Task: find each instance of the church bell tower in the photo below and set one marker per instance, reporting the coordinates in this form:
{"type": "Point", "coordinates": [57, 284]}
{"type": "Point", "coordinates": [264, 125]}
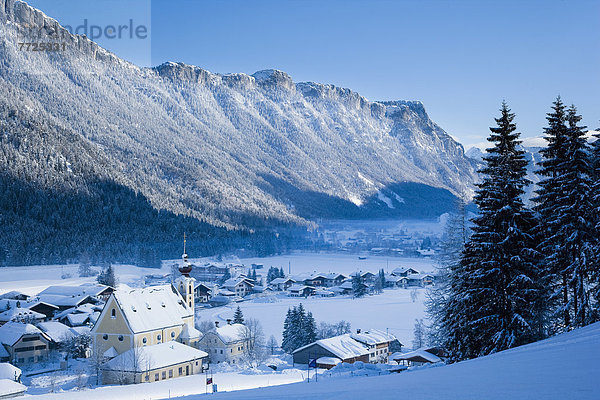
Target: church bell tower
{"type": "Point", "coordinates": [185, 283]}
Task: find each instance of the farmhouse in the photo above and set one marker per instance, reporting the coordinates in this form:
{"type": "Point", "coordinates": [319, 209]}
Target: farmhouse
{"type": "Point", "coordinates": [24, 342]}
{"type": "Point", "coordinates": [377, 342]}
{"type": "Point", "coordinates": [153, 363]}
{"type": "Point", "coordinates": [342, 347]}
{"type": "Point", "coordinates": [281, 283]}
{"type": "Point", "coordinates": [225, 343]}
{"type": "Point", "coordinates": [241, 286]}
{"type": "Point", "coordinates": [403, 271]}
{"type": "Point", "coordinates": [19, 314]}
{"type": "Point", "coordinates": [202, 292]}
{"type": "Point", "coordinates": [415, 358]}
{"type": "Point", "coordinates": [300, 291]}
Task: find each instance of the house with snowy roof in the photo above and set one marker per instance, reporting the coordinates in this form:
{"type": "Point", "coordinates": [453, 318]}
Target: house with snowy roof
{"type": "Point", "coordinates": [300, 291]}
{"type": "Point", "coordinates": [415, 358]}
{"type": "Point", "coordinates": [57, 332]}
{"type": "Point", "coordinates": [341, 347]}
{"type": "Point", "coordinates": [241, 286]}
{"type": "Point", "coordinates": [24, 343]}
{"type": "Point", "coordinates": [225, 343]}
{"type": "Point", "coordinates": [153, 363]}
{"type": "Point", "coordinates": [377, 342]}
{"type": "Point", "coordinates": [404, 271]}
{"type": "Point", "coordinates": [19, 314]}
{"type": "Point", "coordinates": [281, 284]}
{"type": "Point", "coordinates": [370, 346]}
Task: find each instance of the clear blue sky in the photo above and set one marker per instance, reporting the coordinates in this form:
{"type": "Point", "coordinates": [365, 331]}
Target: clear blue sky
{"type": "Point", "coordinates": [461, 58]}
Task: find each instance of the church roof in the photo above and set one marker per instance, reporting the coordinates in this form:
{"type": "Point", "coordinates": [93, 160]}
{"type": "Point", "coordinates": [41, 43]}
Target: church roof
{"type": "Point", "coordinates": [151, 308]}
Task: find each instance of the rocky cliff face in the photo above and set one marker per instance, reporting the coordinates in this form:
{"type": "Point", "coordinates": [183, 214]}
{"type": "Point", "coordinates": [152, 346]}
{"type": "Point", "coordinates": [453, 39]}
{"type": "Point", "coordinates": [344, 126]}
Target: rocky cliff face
{"type": "Point", "coordinates": [235, 150]}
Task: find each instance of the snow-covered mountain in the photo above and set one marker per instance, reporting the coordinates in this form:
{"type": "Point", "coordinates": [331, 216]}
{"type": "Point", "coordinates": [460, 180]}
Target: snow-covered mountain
{"type": "Point", "coordinates": [231, 149]}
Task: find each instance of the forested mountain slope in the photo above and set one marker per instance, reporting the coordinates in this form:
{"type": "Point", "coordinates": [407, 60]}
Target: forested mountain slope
{"type": "Point", "coordinates": [236, 152]}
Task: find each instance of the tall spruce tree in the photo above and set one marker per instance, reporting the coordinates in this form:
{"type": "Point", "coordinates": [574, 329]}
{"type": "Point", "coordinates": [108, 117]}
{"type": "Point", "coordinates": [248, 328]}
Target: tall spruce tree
{"type": "Point", "coordinates": [565, 205]}
{"type": "Point", "coordinates": [493, 289]}
{"type": "Point", "coordinates": [238, 316]}
{"type": "Point", "coordinates": [595, 270]}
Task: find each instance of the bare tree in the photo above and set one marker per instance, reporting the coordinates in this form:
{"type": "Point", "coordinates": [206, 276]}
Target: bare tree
{"type": "Point", "coordinates": [97, 361]}
{"type": "Point", "coordinates": [414, 295]}
{"type": "Point", "coordinates": [205, 326]}
{"type": "Point", "coordinates": [254, 342]}
{"type": "Point", "coordinates": [272, 344]}
{"type": "Point", "coordinates": [420, 333]}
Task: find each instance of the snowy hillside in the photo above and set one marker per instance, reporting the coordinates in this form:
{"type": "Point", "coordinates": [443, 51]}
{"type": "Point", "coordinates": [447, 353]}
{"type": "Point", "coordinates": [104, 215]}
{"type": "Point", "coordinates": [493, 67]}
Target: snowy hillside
{"type": "Point", "coordinates": [232, 150]}
{"type": "Point", "coordinates": [563, 367]}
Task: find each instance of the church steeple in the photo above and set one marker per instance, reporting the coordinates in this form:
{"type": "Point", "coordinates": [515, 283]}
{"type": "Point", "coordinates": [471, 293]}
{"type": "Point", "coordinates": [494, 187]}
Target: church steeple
{"type": "Point", "coordinates": [186, 267]}
{"type": "Point", "coordinates": [185, 283]}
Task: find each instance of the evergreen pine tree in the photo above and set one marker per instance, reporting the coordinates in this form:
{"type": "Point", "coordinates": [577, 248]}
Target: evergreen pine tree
{"type": "Point", "coordinates": [238, 316]}
{"type": "Point", "coordinates": [310, 329]}
{"type": "Point", "coordinates": [564, 203]}
{"type": "Point", "coordinates": [454, 239]}
{"type": "Point", "coordinates": [286, 342]}
{"type": "Point", "coordinates": [281, 274]}
{"type": "Point", "coordinates": [358, 285]}
{"type": "Point", "coordinates": [492, 289]}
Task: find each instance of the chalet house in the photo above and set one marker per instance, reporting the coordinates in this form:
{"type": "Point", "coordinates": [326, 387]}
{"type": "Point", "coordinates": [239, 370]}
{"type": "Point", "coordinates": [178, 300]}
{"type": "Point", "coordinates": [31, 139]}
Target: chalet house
{"type": "Point", "coordinates": [346, 287]}
{"type": "Point", "coordinates": [15, 295]}
{"type": "Point", "coordinates": [281, 284]}
{"type": "Point", "coordinates": [154, 363]}
{"type": "Point", "coordinates": [96, 292]}
{"type": "Point", "coordinates": [24, 342]}
{"type": "Point", "coordinates": [377, 342]}
{"type": "Point", "coordinates": [44, 308]}
{"type": "Point", "coordinates": [57, 332]}
{"type": "Point", "coordinates": [241, 286]}
{"type": "Point", "coordinates": [225, 343]}
{"type": "Point", "coordinates": [202, 292]}
{"type": "Point", "coordinates": [370, 347]}
{"type": "Point", "coordinates": [300, 291]}
{"type": "Point", "coordinates": [403, 271]}
{"type": "Point", "coordinates": [341, 347]}
{"type": "Point", "coordinates": [368, 277]}
{"type": "Point", "coordinates": [333, 279]}
{"type": "Point", "coordinates": [395, 281]}
{"type": "Point", "coordinates": [419, 280]}
{"type": "Point", "coordinates": [209, 272]}
{"type": "Point", "coordinates": [316, 280]}
{"type": "Point", "coordinates": [19, 314]}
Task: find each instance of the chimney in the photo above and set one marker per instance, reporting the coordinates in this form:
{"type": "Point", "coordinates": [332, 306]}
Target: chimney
{"type": "Point", "coordinates": [358, 331]}
{"type": "Point", "coordinates": [228, 321]}
{"type": "Point", "coordinates": [216, 324]}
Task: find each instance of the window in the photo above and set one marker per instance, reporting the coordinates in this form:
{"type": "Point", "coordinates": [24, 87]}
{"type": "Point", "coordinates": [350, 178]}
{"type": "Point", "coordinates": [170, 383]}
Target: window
{"type": "Point", "coordinates": [164, 374]}
{"type": "Point", "coordinates": [144, 340]}
{"type": "Point", "coordinates": [113, 313]}
{"type": "Point", "coordinates": [180, 371]}
{"type": "Point", "coordinates": [170, 373]}
{"type": "Point", "coordinates": [173, 334]}
{"type": "Point", "coordinates": [158, 337]}
{"type": "Point", "coordinates": [40, 347]}
{"type": "Point", "coordinates": [30, 338]}
{"type": "Point", "coordinates": [147, 377]}
{"type": "Point", "coordinates": [231, 350]}
{"type": "Point", "coordinates": [156, 377]}
{"type": "Point", "coordinates": [196, 363]}
{"type": "Point", "coordinates": [221, 351]}
{"type": "Point", "coordinates": [120, 338]}
{"type": "Point", "coordinates": [105, 336]}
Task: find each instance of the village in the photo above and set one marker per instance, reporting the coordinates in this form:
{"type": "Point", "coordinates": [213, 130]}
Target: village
{"type": "Point", "coordinates": [131, 335]}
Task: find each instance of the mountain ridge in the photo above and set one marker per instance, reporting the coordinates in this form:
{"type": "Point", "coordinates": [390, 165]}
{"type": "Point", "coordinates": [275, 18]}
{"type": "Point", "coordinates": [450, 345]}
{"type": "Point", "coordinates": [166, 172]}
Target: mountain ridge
{"type": "Point", "coordinates": [235, 151]}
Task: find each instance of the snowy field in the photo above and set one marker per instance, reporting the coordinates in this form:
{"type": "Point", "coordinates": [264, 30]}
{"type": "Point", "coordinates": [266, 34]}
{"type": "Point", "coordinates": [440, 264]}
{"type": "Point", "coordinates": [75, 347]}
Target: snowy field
{"type": "Point", "coordinates": [393, 310]}
{"type": "Point", "coordinates": [33, 279]}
